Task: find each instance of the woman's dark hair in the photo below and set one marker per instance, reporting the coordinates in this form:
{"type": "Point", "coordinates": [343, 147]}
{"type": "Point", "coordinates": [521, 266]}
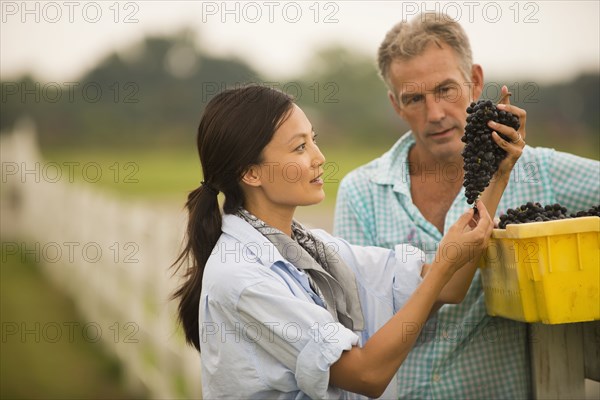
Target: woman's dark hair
{"type": "Point", "coordinates": [236, 126]}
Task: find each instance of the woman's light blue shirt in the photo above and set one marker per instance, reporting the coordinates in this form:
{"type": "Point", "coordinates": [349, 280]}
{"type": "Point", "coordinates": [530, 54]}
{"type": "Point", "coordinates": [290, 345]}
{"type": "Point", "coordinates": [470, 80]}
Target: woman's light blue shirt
{"type": "Point", "coordinates": [261, 333]}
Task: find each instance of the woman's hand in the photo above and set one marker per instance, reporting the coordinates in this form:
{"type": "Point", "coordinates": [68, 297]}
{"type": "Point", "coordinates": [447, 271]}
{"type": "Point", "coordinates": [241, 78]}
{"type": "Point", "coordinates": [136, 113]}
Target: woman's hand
{"type": "Point", "coordinates": [465, 240]}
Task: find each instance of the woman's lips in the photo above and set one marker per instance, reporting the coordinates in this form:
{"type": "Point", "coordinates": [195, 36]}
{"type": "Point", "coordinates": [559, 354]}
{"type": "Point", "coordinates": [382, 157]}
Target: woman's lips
{"type": "Point", "coordinates": [318, 180]}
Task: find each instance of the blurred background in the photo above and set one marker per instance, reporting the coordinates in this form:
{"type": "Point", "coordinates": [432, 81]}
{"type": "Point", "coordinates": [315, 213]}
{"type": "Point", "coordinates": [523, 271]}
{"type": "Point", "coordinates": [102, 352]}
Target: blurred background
{"type": "Point", "coordinates": [99, 107]}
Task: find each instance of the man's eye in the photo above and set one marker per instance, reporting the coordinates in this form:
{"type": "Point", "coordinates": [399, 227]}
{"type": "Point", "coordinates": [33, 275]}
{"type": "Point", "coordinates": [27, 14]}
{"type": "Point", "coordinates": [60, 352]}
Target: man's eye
{"type": "Point", "coordinates": [413, 99]}
{"type": "Point", "coordinates": [448, 92]}
{"type": "Point", "coordinates": [301, 147]}
{"type": "Point", "coordinates": [450, 89]}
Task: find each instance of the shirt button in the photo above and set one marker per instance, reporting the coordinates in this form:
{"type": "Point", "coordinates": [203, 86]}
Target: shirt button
{"type": "Point", "coordinates": [436, 378]}
{"type": "Point", "coordinates": [445, 334]}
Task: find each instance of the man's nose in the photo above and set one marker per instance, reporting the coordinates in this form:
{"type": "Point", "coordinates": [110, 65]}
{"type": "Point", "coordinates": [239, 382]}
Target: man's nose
{"type": "Point", "coordinates": [434, 108]}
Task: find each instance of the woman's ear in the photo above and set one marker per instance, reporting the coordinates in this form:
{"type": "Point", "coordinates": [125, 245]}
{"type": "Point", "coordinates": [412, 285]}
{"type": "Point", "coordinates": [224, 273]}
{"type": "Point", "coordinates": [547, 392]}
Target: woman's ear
{"type": "Point", "coordinates": [252, 176]}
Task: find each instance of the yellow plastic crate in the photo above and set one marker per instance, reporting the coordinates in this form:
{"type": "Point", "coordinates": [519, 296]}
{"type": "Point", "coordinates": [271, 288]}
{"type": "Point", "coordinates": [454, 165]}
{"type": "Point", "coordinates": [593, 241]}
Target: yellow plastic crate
{"type": "Point", "coordinates": [544, 271]}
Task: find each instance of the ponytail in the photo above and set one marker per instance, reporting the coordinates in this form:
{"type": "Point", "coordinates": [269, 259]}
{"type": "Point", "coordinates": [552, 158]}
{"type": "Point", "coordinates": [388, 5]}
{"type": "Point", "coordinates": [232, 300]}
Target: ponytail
{"type": "Point", "coordinates": [235, 127]}
{"type": "Point", "coordinates": [203, 231]}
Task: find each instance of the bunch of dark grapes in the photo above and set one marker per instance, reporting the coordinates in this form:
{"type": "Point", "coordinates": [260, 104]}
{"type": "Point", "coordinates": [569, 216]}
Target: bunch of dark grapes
{"type": "Point", "coordinates": [592, 212]}
{"type": "Point", "coordinates": [535, 212]}
{"type": "Point", "coordinates": [481, 154]}
{"type": "Point", "coordinates": [532, 212]}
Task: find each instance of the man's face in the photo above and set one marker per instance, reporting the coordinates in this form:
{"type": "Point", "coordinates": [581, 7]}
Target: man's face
{"type": "Point", "coordinates": [432, 97]}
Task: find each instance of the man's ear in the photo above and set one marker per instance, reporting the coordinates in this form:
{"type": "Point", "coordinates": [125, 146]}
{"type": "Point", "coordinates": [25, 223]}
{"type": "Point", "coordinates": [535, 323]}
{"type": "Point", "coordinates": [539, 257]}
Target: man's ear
{"type": "Point", "coordinates": [477, 81]}
{"type": "Point", "coordinates": [252, 176]}
{"type": "Point", "coordinates": [394, 101]}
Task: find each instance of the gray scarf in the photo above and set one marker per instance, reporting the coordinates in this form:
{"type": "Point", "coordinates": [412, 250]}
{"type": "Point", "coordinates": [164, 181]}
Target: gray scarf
{"type": "Point", "coordinates": [331, 279]}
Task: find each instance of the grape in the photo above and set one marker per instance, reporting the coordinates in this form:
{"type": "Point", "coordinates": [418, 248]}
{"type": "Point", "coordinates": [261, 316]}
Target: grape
{"type": "Point", "coordinates": [481, 154]}
{"type": "Point", "coordinates": [535, 212]}
{"type": "Point", "coordinates": [592, 212]}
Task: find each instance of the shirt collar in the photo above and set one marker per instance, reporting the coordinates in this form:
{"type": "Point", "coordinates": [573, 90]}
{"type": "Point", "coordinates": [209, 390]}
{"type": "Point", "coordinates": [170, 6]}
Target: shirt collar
{"type": "Point", "coordinates": [392, 168]}
{"type": "Point", "coordinates": [251, 239]}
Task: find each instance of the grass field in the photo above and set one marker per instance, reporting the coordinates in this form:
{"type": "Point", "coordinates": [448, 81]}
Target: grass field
{"type": "Point", "coordinates": [46, 354]}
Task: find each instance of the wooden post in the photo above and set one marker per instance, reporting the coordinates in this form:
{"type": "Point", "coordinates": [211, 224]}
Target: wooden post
{"type": "Point", "coordinates": [557, 361]}
{"type": "Point", "coordinates": [591, 346]}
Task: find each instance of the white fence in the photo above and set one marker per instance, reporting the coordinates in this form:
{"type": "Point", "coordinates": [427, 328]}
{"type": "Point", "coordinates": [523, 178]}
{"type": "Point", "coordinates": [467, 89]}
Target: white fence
{"type": "Point", "coordinates": [111, 257]}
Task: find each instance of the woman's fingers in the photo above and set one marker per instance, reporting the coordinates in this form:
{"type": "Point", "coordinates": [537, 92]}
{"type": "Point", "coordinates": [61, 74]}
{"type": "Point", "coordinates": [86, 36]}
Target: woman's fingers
{"type": "Point", "coordinates": [464, 219]}
{"type": "Point", "coordinates": [484, 220]}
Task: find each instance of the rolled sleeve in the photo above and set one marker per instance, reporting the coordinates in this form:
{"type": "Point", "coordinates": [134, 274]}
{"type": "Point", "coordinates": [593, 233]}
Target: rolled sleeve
{"type": "Point", "coordinates": [315, 359]}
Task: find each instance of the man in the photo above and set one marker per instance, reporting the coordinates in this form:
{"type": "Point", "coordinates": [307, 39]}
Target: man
{"type": "Point", "coordinates": [414, 192]}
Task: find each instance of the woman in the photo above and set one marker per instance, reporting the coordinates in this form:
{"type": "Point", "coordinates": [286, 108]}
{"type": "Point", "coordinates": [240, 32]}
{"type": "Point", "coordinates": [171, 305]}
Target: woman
{"type": "Point", "coordinates": [278, 311]}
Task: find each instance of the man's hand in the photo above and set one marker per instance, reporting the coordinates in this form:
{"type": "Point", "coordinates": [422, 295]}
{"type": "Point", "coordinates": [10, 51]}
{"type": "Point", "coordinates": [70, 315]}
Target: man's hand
{"type": "Point", "coordinates": [515, 146]}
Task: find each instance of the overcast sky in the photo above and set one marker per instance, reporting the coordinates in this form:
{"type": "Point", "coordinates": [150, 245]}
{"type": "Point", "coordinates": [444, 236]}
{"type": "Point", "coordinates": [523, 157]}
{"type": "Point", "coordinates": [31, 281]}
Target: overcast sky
{"type": "Point", "coordinates": [57, 41]}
